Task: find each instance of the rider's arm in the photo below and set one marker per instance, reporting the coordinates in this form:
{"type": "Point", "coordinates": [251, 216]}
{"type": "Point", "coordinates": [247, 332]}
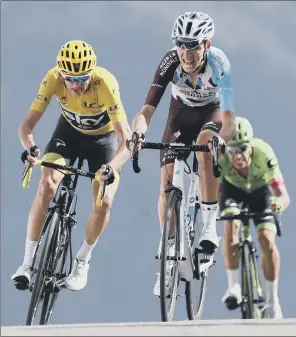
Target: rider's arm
{"type": "Point", "coordinates": [223, 77]}
{"type": "Point", "coordinates": [142, 119]}
{"type": "Point", "coordinates": [274, 177]}
{"type": "Point", "coordinates": [163, 75]}
{"type": "Point", "coordinates": [279, 191]}
{"type": "Point", "coordinates": [123, 132]}
{"type": "Point", "coordinates": [119, 121]}
{"type": "Point", "coordinates": [40, 104]}
{"type": "Point", "coordinates": [25, 130]}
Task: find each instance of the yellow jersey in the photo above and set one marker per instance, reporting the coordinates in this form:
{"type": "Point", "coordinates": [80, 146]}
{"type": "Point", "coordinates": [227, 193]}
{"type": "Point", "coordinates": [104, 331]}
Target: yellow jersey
{"type": "Point", "coordinates": [91, 113]}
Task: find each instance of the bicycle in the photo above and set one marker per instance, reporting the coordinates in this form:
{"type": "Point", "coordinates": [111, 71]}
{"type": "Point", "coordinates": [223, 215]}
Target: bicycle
{"type": "Point", "coordinates": [49, 264]}
{"type": "Point", "coordinates": [191, 264]}
{"type": "Point", "coordinates": [253, 301]}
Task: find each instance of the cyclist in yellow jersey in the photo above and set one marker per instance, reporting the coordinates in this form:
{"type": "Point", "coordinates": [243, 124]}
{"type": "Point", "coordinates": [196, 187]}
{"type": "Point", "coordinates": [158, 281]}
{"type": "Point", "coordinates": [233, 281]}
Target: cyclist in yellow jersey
{"type": "Point", "coordinates": [93, 122]}
{"type": "Point", "coordinates": [250, 174]}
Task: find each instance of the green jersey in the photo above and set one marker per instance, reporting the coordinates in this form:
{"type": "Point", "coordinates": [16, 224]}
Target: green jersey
{"type": "Point", "coordinates": [264, 167]}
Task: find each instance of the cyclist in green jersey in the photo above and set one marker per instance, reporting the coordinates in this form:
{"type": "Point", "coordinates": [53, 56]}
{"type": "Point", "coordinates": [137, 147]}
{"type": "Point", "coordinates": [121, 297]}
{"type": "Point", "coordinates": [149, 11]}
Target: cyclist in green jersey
{"type": "Point", "coordinates": [250, 175]}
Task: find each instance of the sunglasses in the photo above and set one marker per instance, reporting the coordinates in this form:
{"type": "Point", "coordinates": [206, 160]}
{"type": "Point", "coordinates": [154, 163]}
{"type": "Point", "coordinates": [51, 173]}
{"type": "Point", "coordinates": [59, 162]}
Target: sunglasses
{"type": "Point", "coordinates": [237, 150]}
{"type": "Point", "coordinates": [76, 79]}
{"type": "Point", "coordinates": [187, 44]}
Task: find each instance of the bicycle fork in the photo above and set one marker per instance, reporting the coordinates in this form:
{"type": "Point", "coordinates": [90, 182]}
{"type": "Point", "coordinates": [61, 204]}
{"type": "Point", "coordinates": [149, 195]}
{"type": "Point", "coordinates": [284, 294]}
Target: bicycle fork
{"type": "Point", "coordinates": [246, 239]}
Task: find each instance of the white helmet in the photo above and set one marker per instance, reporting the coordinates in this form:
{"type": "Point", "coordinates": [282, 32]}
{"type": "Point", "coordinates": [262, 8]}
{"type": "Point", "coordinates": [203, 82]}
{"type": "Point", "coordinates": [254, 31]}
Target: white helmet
{"type": "Point", "coordinates": [195, 25]}
{"type": "Point", "coordinates": [244, 132]}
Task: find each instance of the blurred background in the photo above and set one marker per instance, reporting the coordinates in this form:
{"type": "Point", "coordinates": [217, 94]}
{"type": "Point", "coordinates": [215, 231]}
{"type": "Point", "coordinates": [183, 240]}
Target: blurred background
{"type": "Point", "coordinates": [130, 38]}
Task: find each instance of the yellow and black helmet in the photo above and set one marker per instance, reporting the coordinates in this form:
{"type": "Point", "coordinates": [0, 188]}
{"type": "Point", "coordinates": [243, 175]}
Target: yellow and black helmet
{"type": "Point", "coordinates": [76, 58]}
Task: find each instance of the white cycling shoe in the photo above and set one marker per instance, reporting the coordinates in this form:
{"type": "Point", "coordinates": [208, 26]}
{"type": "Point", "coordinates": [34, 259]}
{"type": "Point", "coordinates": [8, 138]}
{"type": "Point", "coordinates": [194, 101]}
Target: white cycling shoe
{"type": "Point", "coordinates": [273, 311]}
{"type": "Point", "coordinates": [233, 297]}
{"type": "Point", "coordinates": [22, 277]}
{"type": "Point", "coordinates": [209, 241]}
{"type": "Point", "coordinates": [77, 280]}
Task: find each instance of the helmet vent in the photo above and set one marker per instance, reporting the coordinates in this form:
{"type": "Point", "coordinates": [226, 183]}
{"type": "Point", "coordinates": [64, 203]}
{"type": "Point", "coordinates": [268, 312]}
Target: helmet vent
{"type": "Point", "coordinates": [69, 67]}
{"type": "Point", "coordinates": [197, 32]}
{"type": "Point", "coordinates": [188, 28]}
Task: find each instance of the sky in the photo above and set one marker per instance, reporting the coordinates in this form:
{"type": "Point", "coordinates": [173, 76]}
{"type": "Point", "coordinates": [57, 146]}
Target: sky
{"type": "Point", "coordinates": [130, 38]}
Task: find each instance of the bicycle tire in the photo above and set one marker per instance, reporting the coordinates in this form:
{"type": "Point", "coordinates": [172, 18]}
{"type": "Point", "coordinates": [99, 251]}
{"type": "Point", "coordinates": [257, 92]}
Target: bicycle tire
{"type": "Point", "coordinates": [50, 291]}
{"type": "Point", "coordinates": [173, 206]}
{"type": "Point", "coordinates": [39, 282]}
{"type": "Point", "coordinates": [195, 310]}
{"type": "Point", "coordinates": [258, 287]}
{"type": "Point", "coordinates": [247, 306]}
{"type": "Point", "coordinates": [62, 255]}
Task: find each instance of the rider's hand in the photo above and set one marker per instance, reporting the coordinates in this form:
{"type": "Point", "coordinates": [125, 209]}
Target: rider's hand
{"type": "Point", "coordinates": [140, 139]}
{"type": "Point", "coordinates": [276, 204]}
{"type": "Point", "coordinates": [30, 155]}
{"type": "Point", "coordinates": [221, 145]}
{"type": "Point", "coordinates": [107, 173]}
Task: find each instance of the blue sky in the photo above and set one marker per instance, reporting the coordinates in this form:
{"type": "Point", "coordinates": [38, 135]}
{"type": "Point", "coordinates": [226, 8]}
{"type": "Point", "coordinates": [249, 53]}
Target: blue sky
{"type": "Point", "coordinates": [130, 38]}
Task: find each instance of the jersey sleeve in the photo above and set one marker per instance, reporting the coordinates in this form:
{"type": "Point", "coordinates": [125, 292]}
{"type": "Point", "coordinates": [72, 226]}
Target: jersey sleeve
{"type": "Point", "coordinates": [115, 110]}
{"type": "Point", "coordinates": [46, 91]}
{"type": "Point", "coordinates": [270, 163]}
{"type": "Point", "coordinates": [223, 78]}
{"type": "Point", "coordinates": [163, 75]}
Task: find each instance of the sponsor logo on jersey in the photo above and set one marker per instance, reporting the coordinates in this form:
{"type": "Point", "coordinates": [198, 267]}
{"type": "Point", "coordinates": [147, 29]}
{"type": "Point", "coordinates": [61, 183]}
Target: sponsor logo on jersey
{"type": "Point", "coordinates": [88, 122]}
{"type": "Point", "coordinates": [93, 105]}
{"type": "Point", "coordinates": [167, 62]}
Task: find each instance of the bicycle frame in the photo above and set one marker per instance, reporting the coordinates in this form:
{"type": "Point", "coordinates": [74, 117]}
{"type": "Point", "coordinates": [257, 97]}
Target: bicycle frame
{"type": "Point", "coordinates": [245, 237]}
{"type": "Point", "coordinates": [187, 230]}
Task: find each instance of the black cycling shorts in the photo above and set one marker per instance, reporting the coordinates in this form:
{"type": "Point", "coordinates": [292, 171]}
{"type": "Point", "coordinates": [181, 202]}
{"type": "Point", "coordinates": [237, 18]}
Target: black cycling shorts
{"type": "Point", "coordinates": [187, 122]}
{"type": "Point", "coordinates": [69, 143]}
{"type": "Point", "coordinates": [257, 201]}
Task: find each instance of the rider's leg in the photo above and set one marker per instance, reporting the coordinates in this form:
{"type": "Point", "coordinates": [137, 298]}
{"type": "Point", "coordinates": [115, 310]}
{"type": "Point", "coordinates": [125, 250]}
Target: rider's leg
{"type": "Point", "coordinates": [229, 199]}
{"type": "Point", "coordinates": [166, 173]}
{"type": "Point", "coordinates": [209, 188]}
{"type": "Point", "coordinates": [98, 219]}
{"type": "Point", "coordinates": [266, 231]}
{"type": "Point", "coordinates": [98, 150]}
{"type": "Point", "coordinates": [48, 185]}
{"type": "Point", "coordinates": [95, 226]}
{"type": "Point", "coordinates": [230, 251]}
{"type": "Point", "coordinates": [270, 260]}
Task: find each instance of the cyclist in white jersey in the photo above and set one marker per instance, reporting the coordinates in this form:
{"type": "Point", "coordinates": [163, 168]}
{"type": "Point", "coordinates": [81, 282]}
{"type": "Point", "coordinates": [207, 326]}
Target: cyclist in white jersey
{"type": "Point", "coordinates": [201, 107]}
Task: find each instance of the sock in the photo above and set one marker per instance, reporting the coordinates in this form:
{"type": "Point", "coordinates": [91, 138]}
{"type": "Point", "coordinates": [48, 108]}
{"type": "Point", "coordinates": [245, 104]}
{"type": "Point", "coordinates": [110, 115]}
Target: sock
{"type": "Point", "coordinates": [209, 214]}
{"type": "Point", "coordinates": [233, 277]}
{"type": "Point", "coordinates": [272, 291]}
{"type": "Point", "coordinates": [30, 248]}
{"type": "Point", "coordinates": [84, 253]}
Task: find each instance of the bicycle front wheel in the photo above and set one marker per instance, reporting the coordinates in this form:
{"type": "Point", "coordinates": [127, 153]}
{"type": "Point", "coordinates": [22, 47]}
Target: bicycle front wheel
{"type": "Point", "coordinates": [247, 306]}
{"type": "Point", "coordinates": [169, 268]}
{"type": "Point", "coordinates": [38, 291]}
{"type": "Point", "coordinates": [195, 289]}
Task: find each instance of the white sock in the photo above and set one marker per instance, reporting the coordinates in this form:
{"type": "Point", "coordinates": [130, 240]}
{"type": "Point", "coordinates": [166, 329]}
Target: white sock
{"type": "Point", "coordinates": [29, 252]}
{"type": "Point", "coordinates": [84, 253]}
{"type": "Point", "coordinates": [209, 215]}
{"type": "Point", "coordinates": [272, 291]}
{"type": "Point", "coordinates": [233, 277]}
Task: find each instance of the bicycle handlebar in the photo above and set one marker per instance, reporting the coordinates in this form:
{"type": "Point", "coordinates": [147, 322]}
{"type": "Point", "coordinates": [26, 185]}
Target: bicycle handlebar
{"type": "Point", "coordinates": [251, 215]}
{"type": "Point", "coordinates": [28, 172]}
{"type": "Point", "coordinates": [175, 147]}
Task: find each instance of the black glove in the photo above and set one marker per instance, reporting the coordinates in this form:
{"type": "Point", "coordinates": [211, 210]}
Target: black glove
{"type": "Point", "coordinates": [110, 174]}
{"type": "Point", "coordinates": [30, 152]}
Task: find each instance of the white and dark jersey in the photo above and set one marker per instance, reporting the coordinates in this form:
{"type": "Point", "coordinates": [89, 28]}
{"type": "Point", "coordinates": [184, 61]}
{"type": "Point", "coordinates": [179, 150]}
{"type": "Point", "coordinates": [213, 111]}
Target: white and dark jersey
{"type": "Point", "coordinates": [213, 85]}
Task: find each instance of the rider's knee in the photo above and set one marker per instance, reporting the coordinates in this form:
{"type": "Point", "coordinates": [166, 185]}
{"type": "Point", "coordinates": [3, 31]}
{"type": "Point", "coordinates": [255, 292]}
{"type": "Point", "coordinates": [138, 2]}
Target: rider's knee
{"type": "Point", "coordinates": [104, 208]}
{"type": "Point", "coordinates": [231, 231]}
{"type": "Point", "coordinates": [47, 187]}
{"type": "Point", "coordinates": [266, 237]}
